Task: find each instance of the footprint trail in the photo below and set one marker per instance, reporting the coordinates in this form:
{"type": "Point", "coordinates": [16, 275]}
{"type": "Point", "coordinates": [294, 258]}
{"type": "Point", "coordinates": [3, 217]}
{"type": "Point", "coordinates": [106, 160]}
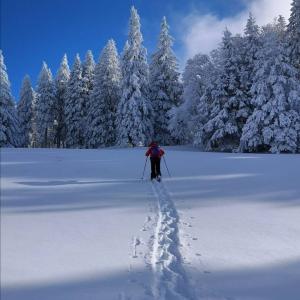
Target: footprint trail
{"type": "Point", "coordinates": [170, 281]}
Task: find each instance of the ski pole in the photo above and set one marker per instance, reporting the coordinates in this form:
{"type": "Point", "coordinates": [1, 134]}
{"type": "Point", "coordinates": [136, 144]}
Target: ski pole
{"type": "Point", "coordinates": [166, 166]}
{"type": "Point", "coordinates": [144, 168]}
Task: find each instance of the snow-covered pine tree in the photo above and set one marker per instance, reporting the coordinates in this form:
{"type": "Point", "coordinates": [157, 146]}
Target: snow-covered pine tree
{"type": "Point", "coordinates": [25, 112]}
{"type": "Point", "coordinates": [61, 83]}
{"type": "Point", "coordinates": [9, 126]}
{"type": "Point", "coordinates": [208, 71]}
{"type": "Point", "coordinates": [274, 125]}
{"type": "Point", "coordinates": [88, 75]}
{"type": "Point", "coordinates": [34, 142]}
{"type": "Point", "coordinates": [88, 70]}
{"type": "Point", "coordinates": [104, 99]}
{"type": "Point", "coordinates": [251, 45]}
{"type": "Point", "coordinates": [294, 34]}
{"type": "Point", "coordinates": [74, 107]}
{"type": "Point", "coordinates": [223, 128]}
{"type": "Point", "coordinates": [185, 119]}
{"type": "Point", "coordinates": [165, 86]}
{"type": "Point", "coordinates": [134, 116]}
{"type": "Point", "coordinates": [45, 108]}
{"type": "Point", "coordinates": [294, 41]}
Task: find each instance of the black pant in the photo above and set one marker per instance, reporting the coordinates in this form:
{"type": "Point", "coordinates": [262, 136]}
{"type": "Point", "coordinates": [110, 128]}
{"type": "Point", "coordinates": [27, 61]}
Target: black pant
{"type": "Point", "coordinates": [155, 167]}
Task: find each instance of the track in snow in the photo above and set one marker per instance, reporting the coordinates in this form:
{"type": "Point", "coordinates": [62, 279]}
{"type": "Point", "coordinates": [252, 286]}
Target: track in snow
{"type": "Point", "coordinates": [170, 282]}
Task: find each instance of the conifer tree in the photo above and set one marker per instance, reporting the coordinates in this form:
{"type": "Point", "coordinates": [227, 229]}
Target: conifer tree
{"type": "Point", "coordinates": [294, 41]}
{"type": "Point", "coordinates": [251, 45]}
{"type": "Point", "coordinates": [61, 84]}
{"type": "Point", "coordinates": [201, 84]}
{"type": "Point", "coordinates": [88, 76]}
{"type": "Point", "coordinates": [134, 110]}
{"type": "Point", "coordinates": [223, 127]}
{"type": "Point", "coordinates": [104, 99]}
{"type": "Point", "coordinates": [185, 120]}
{"type": "Point", "coordinates": [294, 34]}
{"type": "Point", "coordinates": [74, 107]}
{"type": "Point", "coordinates": [88, 70]}
{"type": "Point", "coordinates": [45, 108]}
{"type": "Point", "coordinates": [274, 125]}
{"type": "Point", "coordinates": [26, 113]}
{"type": "Point", "coordinates": [9, 126]}
{"type": "Point", "coordinates": [165, 87]}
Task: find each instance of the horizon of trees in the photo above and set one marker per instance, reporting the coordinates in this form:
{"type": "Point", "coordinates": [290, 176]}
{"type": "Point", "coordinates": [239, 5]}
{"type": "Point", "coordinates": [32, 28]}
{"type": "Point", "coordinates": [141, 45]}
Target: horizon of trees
{"type": "Point", "coordinates": [242, 97]}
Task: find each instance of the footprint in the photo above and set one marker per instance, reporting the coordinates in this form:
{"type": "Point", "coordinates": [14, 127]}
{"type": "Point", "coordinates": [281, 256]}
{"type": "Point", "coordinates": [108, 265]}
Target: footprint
{"type": "Point", "coordinates": [195, 239]}
{"type": "Point", "coordinates": [136, 242]}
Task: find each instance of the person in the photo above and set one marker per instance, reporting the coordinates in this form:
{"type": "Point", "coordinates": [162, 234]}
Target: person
{"type": "Point", "coordinates": [155, 153]}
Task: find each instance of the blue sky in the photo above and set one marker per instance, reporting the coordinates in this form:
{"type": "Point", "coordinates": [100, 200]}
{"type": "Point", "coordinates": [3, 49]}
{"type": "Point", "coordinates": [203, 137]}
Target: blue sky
{"type": "Point", "coordinates": [37, 30]}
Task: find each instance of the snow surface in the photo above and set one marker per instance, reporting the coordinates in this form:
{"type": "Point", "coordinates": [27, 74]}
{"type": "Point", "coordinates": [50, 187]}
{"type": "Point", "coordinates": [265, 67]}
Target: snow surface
{"type": "Point", "coordinates": [80, 224]}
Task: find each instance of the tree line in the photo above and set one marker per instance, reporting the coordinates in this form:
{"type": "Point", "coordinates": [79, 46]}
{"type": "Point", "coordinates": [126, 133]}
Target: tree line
{"type": "Point", "coordinates": [243, 97]}
{"type": "Point", "coordinates": [116, 101]}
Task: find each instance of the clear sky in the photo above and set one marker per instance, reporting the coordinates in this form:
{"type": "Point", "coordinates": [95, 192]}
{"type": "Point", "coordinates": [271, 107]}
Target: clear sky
{"type": "Point", "coordinates": [37, 30]}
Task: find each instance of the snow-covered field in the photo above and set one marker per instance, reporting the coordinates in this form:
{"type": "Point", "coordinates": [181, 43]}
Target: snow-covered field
{"type": "Point", "coordinates": [80, 224]}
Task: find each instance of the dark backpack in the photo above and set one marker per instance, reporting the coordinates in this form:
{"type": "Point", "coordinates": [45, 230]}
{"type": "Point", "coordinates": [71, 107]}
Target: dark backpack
{"type": "Point", "coordinates": [155, 151]}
